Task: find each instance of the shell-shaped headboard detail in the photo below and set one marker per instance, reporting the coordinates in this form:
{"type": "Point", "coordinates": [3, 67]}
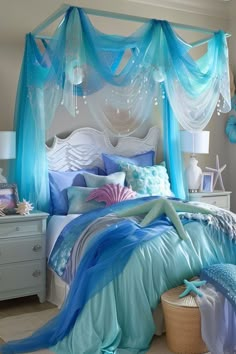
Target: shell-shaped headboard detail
{"type": "Point", "coordinates": [84, 146]}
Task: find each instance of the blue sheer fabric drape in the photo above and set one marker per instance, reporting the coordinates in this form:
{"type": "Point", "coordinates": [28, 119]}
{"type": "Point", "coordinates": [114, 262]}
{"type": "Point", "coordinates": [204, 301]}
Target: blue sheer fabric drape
{"type": "Point", "coordinates": [119, 79]}
{"type": "Point", "coordinates": [97, 268]}
{"type": "Point", "coordinates": [172, 151]}
{"type": "Point", "coordinates": [29, 169]}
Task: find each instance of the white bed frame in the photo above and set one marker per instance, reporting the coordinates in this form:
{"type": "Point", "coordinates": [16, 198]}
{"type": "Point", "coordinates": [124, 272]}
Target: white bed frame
{"type": "Point", "coordinates": [83, 149]}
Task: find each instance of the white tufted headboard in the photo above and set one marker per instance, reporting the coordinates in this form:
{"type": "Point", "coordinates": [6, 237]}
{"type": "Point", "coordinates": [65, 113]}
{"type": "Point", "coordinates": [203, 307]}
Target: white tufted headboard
{"type": "Point", "coordinates": [84, 146]}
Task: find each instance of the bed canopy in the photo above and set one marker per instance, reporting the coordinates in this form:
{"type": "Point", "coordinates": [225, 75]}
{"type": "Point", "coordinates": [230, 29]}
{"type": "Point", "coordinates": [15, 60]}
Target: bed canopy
{"type": "Point", "coordinates": [120, 79]}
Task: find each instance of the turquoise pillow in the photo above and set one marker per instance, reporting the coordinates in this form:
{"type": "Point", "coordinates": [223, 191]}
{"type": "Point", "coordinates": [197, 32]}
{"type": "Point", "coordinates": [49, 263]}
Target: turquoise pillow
{"type": "Point", "coordinates": [150, 180]}
{"type": "Point", "coordinates": [77, 200]}
{"type": "Point", "coordinates": [95, 181]}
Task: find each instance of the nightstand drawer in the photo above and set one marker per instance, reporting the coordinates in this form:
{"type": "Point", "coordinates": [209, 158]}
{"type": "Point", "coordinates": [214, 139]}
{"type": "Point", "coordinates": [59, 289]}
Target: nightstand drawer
{"type": "Point", "coordinates": [21, 249]}
{"type": "Point", "coordinates": [21, 275]}
{"type": "Point", "coordinates": [219, 201]}
{"type": "Point", "coordinates": [29, 227]}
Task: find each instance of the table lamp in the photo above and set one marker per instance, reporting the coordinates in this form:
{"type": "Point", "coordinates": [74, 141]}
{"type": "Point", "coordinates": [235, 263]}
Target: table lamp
{"type": "Point", "coordinates": [194, 143]}
{"type": "Point", "coordinates": [7, 149]}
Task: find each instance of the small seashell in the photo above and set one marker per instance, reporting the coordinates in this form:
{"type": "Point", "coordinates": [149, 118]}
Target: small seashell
{"type": "Point", "coordinates": [24, 208]}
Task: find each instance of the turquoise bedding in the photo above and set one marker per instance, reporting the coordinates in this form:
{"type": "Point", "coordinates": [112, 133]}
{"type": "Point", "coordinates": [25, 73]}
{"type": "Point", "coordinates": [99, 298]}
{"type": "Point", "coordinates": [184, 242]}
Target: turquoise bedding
{"type": "Point", "coordinates": [123, 270]}
{"type": "Point", "coordinates": [119, 318]}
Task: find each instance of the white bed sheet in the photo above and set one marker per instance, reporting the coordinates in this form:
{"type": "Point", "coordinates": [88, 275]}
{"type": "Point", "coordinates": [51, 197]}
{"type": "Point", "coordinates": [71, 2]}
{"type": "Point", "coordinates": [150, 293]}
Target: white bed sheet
{"type": "Point", "coordinates": [55, 226]}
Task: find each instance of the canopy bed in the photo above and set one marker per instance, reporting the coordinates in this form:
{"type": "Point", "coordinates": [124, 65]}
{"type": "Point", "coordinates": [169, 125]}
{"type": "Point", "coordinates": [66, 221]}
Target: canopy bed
{"type": "Point", "coordinates": [119, 79]}
{"type": "Point", "coordinates": [117, 255]}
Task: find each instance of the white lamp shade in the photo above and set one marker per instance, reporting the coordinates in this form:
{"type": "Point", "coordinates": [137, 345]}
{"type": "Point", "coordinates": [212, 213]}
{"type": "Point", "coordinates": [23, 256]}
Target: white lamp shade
{"type": "Point", "coordinates": [195, 142]}
{"type": "Point", "coordinates": [7, 145]}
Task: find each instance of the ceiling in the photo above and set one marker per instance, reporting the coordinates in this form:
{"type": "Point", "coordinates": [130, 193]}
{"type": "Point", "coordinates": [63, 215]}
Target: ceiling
{"type": "Point", "coordinates": [21, 17]}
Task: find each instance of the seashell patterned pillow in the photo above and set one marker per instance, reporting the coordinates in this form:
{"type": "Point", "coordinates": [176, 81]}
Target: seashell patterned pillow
{"type": "Point", "coordinates": [150, 180]}
{"type": "Point", "coordinates": [111, 194]}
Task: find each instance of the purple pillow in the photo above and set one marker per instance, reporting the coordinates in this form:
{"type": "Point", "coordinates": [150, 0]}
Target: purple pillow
{"type": "Point", "coordinates": [58, 184]}
{"type": "Point", "coordinates": [112, 162]}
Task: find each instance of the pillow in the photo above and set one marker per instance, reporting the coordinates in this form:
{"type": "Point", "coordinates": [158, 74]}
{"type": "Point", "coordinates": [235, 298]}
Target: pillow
{"type": "Point", "coordinates": [112, 162]}
{"type": "Point", "coordinates": [95, 181]}
{"type": "Point", "coordinates": [111, 194]}
{"type": "Point", "coordinates": [150, 180]}
{"type": "Point", "coordinates": [58, 183]}
{"type": "Point", "coordinates": [77, 198]}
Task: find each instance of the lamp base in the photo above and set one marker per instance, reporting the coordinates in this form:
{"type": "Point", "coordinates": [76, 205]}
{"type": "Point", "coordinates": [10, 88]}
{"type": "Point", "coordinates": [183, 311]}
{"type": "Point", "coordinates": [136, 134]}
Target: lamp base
{"type": "Point", "coordinates": [2, 178]}
{"type": "Point", "coordinates": [193, 175]}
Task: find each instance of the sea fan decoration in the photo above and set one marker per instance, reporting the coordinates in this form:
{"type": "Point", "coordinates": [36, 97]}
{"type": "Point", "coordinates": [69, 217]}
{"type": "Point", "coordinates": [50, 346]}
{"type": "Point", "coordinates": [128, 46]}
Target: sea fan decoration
{"type": "Point", "coordinates": [24, 208]}
{"type": "Point", "coordinates": [111, 193]}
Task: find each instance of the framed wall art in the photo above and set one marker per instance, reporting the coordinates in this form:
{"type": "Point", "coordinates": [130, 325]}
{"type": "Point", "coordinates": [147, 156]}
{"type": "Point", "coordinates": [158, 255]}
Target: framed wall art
{"type": "Point", "coordinates": [8, 198]}
{"type": "Point", "coordinates": [207, 182]}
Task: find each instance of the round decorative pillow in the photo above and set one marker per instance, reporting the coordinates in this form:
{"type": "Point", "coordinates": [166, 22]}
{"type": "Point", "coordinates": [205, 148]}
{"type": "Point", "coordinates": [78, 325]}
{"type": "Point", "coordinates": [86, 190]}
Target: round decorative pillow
{"type": "Point", "coordinates": [230, 129]}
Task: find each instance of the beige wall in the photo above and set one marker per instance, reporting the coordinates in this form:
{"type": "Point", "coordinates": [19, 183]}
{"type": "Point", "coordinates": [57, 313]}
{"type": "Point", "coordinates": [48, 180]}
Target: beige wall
{"type": "Point", "coordinates": [12, 50]}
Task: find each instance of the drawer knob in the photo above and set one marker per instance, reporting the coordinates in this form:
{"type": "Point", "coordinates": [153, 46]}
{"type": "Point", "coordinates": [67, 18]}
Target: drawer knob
{"type": "Point", "coordinates": [18, 228]}
{"type": "Point", "coordinates": [36, 273]}
{"type": "Point", "coordinates": [214, 202]}
{"type": "Point", "coordinates": [37, 248]}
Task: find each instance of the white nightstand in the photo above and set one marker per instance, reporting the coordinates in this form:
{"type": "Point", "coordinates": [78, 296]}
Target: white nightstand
{"type": "Point", "coordinates": [23, 256]}
{"type": "Point", "coordinates": [220, 199]}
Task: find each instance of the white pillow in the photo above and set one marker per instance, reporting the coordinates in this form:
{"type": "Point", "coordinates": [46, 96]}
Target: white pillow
{"type": "Point", "coordinates": [95, 181]}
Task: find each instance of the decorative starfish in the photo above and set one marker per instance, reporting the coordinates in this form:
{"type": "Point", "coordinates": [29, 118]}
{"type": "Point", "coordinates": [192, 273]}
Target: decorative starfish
{"type": "Point", "coordinates": [217, 172]}
{"type": "Point", "coordinates": [191, 286]}
{"type": "Point", "coordinates": [155, 208]}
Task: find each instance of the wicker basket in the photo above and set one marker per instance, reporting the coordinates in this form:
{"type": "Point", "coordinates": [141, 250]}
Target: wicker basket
{"type": "Point", "coordinates": [183, 323]}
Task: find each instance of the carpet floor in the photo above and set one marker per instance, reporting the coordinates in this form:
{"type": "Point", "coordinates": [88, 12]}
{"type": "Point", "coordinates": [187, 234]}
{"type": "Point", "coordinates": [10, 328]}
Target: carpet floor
{"type": "Point", "coordinates": [20, 326]}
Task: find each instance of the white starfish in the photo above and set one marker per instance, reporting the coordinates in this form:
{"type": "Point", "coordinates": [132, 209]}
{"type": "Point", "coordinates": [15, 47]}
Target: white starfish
{"type": "Point", "coordinates": [155, 208]}
{"type": "Point", "coordinates": [217, 173]}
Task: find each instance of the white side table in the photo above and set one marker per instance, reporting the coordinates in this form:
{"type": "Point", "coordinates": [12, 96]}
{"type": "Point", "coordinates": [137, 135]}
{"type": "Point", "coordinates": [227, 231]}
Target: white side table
{"type": "Point", "coordinates": [23, 255]}
{"type": "Point", "coordinates": [220, 199]}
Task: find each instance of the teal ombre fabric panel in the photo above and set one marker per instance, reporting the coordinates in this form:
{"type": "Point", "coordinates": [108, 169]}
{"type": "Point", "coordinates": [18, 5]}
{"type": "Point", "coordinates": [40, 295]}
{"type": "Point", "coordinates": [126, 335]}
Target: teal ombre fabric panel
{"type": "Point", "coordinates": [172, 152]}
{"type": "Point", "coordinates": [29, 169]}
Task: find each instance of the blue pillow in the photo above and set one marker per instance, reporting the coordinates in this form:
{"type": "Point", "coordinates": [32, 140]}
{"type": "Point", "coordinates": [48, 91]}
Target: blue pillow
{"type": "Point", "coordinates": [94, 181]}
{"type": "Point", "coordinates": [112, 162]}
{"type": "Point", "coordinates": [58, 184]}
{"type": "Point", "coordinates": [77, 198]}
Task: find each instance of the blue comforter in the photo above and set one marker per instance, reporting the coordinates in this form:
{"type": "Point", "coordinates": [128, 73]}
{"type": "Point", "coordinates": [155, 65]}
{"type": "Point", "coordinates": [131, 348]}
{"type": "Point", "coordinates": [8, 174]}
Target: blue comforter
{"type": "Point", "coordinates": [122, 273]}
